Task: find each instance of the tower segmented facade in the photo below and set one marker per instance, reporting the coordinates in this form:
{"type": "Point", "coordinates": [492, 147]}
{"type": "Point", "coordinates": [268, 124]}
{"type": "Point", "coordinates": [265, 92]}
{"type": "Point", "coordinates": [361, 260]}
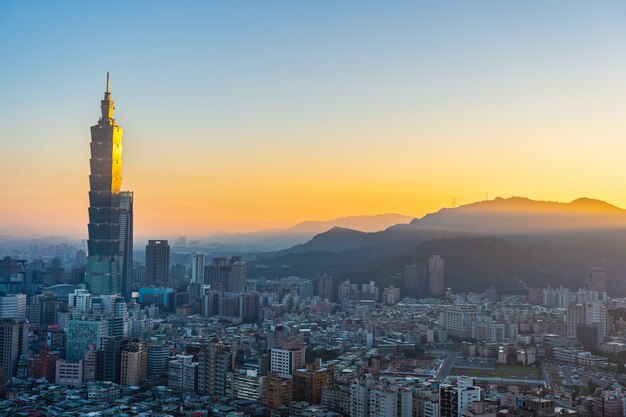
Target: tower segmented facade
{"type": "Point", "coordinates": [110, 210]}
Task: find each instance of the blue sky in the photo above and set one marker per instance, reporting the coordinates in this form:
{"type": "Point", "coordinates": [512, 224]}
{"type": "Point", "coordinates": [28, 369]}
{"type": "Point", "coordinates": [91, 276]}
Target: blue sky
{"type": "Point", "coordinates": [426, 98]}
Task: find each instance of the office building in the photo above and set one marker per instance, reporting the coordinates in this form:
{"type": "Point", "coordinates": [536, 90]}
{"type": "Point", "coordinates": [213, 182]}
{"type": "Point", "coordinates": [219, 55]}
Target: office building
{"type": "Point", "coordinates": [126, 243]}
{"type": "Point", "coordinates": [158, 263]}
{"type": "Point", "coordinates": [134, 368]}
{"type": "Point", "coordinates": [69, 373]}
{"type": "Point", "coordinates": [459, 320]}
{"type": "Point", "coordinates": [325, 287]}
{"type": "Point", "coordinates": [91, 364]}
{"type": "Point", "coordinates": [13, 306]}
{"type": "Point", "coordinates": [277, 390]}
{"type": "Point", "coordinates": [286, 361]}
{"type": "Point", "coordinates": [109, 221]}
{"type": "Point", "coordinates": [79, 300]}
{"type": "Point", "coordinates": [309, 382]}
{"type": "Point", "coordinates": [43, 310]}
{"type": "Point", "coordinates": [183, 374]}
{"type": "Point", "coordinates": [391, 295]}
{"type": "Point", "coordinates": [214, 362]}
{"type": "Point", "coordinates": [81, 334]}
{"type": "Point", "coordinates": [595, 280]}
{"type": "Point", "coordinates": [435, 276]}
{"type": "Point", "coordinates": [158, 356]}
{"type": "Point", "coordinates": [197, 268]}
{"type": "Point", "coordinates": [111, 358]}
{"type": "Point", "coordinates": [13, 344]}
{"type": "Point", "coordinates": [249, 307]}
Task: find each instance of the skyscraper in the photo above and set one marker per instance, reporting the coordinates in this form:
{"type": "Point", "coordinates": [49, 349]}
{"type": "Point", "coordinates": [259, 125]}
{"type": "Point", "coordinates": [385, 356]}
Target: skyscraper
{"type": "Point", "coordinates": [110, 211]}
{"type": "Point", "coordinates": [158, 263]}
{"type": "Point", "coordinates": [13, 343]}
{"type": "Point", "coordinates": [197, 268]}
{"type": "Point", "coordinates": [595, 279]}
{"type": "Point", "coordinates": [126, 242]}
{"type": "Point", "coordinates": [435, 275]}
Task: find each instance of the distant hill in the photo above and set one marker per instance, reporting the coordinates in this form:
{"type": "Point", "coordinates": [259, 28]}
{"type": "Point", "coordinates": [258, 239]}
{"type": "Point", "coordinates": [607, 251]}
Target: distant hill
{"type": "Point", "coordinates": [522, 215]}
{"type": "Point", "coordinates": [484, 243]}
{"type": "Point", "coordinates": [277, 239]}
{"type": "Point", "coordinates": [498, 217]}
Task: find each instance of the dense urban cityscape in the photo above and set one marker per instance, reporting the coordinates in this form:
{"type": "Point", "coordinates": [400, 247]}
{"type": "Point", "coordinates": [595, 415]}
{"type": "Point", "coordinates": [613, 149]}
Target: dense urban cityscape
{"type": "Point", "coordinates": [313, 209]}
{"type": "Point", "coordinates": [99, 332]}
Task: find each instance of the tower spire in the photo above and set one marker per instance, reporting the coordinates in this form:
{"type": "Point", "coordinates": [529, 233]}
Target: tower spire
{"type": "Point", "coordinates": [107, 105]}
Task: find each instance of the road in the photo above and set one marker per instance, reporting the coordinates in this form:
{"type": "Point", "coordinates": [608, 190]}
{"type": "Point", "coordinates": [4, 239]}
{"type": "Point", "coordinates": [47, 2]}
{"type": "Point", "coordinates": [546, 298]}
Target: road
{"type": "Point", "coordinates": [447, 365]}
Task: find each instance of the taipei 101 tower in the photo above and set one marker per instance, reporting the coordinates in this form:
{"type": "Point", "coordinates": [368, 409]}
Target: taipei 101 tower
{"type": "Point", "coordinates": [110, 244]}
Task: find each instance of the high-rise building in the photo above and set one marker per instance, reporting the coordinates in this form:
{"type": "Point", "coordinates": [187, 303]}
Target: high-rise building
{"type": "Point", "coordinates": [126, 243]}
{"type": "Point", "coordinates": [236, 281]}
{"type": "Point", "coordinates": [360, 394]}
{"type": "Point", "coordinates": [110, 212]}
{"type": "Point", "coordinates": [158, 263]}
{"type": "Point", "coordinates": [91, 364]}
{"type": "Point", "coordinates": [13, 344]}
{"type": "Point", "coordinates": [43, 310]}
{"type": "Point", "coordinates": [82, 333]}
{"type": "Point", "coordinates": [226, 274]}
{"type": "Point", "coordinates": [111, 358]}
{"type": "Point", "coordinates": [197, 276]}
{"type": "Point", "coordinates": [595, 279]}
{"type": "Point", "coordinates": [134, 363]}
{"type": "Point", "coordinates": [13, 306]}
{"type": "Point", "coordinates": [286, 361]}
{"type": "Point", "coordinates": [391, 295]}
{"type": "Point", "coordinates": [575, 317]}
{"type": "Point", "coordinates": [249, 307]}
{"type": "Point", "coordinates": [214, 363]}
{"type": "Point", "coordinates": [158, 356]}
{"type": "Point", "coordinates": [309, 382]}
{"type": "Point", "coordinates": [277, 390]}
{"type": "Point", "coordinates": [435, 275]}
{"type": "Point", "coordinates": [197, 268]}
{"type": "Point", "coordinates": [325, 287]}
{"type": "Point", "coordinates": [458, 320]}
{"type": "Point", "coordinates": [456, 399]}
{"type": "Point", "coordinates": [415, 280]}
{"type": "Point", "coordinates": [182, 373]}
{"type": "Point", "coordinates": [79, 300]}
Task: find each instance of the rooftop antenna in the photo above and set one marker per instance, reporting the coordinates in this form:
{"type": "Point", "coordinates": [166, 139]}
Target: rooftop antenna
{"type": "Point", "coordinates": [108, 83]}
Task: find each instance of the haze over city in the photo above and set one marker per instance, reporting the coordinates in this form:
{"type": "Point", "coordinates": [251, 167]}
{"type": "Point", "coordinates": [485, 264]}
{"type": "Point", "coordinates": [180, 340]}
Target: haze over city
{"type": "Point", "coordinates": [244, 116]}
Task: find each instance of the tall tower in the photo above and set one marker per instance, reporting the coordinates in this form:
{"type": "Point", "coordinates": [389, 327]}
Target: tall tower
{"type": "Point", "coordinates": [108, 208]}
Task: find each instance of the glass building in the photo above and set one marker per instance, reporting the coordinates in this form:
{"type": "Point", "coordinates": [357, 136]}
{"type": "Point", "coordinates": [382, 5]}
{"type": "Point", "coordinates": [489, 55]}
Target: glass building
{"type": "Point", "coordinates": [109, 262]}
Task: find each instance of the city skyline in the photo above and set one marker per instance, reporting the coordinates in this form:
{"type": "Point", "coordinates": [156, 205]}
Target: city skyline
{"type": "Point", "coordinates": [364, 109]}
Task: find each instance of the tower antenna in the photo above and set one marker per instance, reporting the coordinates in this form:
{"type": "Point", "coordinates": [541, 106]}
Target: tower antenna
{"type": "Point", "coordinates": [108, 83]}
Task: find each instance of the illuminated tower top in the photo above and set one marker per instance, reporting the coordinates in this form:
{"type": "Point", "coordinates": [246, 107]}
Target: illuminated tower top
{"type": "Point", "coordinates": [107, 106]}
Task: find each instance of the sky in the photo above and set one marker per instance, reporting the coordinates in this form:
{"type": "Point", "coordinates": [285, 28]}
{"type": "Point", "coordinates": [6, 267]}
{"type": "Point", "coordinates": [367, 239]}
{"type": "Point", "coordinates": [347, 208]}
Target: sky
{"type": "Point", "coordinates": [246, 115]}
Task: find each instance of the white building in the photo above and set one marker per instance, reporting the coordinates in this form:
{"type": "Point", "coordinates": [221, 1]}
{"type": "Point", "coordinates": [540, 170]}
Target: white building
{"type": "Point", "coordinates": [69, 373]}
{"type": "Point", "coordinates": [197, 268]}
{"type": "Point", "coordinates": [79, 300]}
{"type": "Point", "coordinates": [286, 361]}
{"type": "Point", "coordinates": [13, 306]}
